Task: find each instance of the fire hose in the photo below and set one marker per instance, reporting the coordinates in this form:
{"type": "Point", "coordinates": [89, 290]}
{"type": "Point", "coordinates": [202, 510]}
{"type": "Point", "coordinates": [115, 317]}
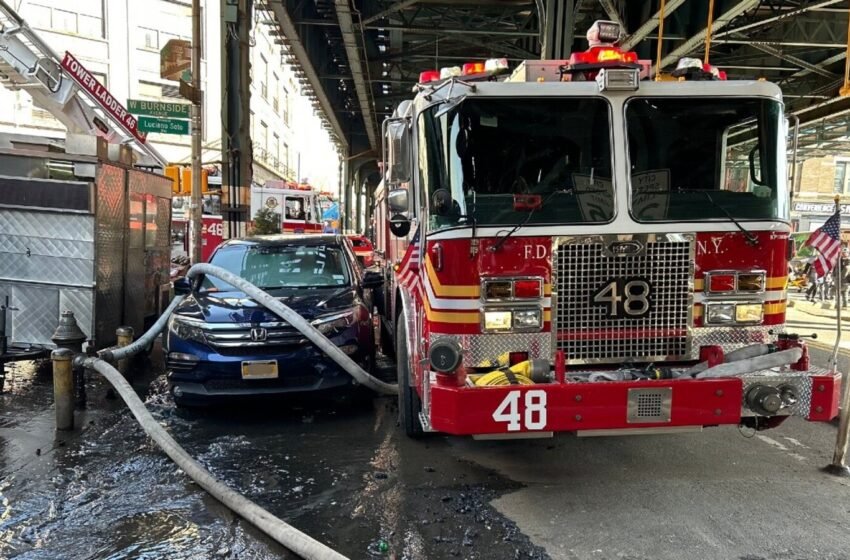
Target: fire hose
{"type": "Point", "coordinates": [274, 527]}
{"type": "Point", "coordinates": [745, 360]}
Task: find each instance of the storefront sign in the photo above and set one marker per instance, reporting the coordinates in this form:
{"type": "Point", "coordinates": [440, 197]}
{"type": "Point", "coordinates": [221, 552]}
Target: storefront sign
{"type": "Point", "coordinates": [102, 96]}
{"type": "Point", "coordinates": [819, 207]}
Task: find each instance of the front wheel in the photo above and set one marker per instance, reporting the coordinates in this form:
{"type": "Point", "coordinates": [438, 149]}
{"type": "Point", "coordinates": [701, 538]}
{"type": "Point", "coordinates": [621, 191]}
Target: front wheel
{"type": "Point", "coordinates": [409, 403]}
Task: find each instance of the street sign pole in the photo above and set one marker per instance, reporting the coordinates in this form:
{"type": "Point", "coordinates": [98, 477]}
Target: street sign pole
{"type": "Point", "coordinates": [195, 222]}
{"type": "Point", "coordinates": [839, 465]}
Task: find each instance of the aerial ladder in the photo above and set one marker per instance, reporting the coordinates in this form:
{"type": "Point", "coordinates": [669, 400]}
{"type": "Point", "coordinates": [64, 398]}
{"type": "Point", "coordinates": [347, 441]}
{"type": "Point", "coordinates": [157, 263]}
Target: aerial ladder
{"type": "Point", "coordinates": [28, 63]}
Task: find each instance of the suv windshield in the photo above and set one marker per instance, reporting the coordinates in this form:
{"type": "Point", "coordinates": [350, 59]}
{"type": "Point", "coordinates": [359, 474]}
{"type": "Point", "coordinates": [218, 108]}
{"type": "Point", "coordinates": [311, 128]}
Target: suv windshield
{"type": "Point", "coordinates": [706, 158]}
{"type": "Point", "coordinates": [475, 159]}
{"type": "Point", "coordinates": [282, 266]}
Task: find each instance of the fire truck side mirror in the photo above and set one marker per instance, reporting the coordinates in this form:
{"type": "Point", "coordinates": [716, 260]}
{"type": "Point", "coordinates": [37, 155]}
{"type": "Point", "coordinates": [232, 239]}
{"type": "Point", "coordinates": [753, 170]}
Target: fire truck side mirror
{"type": "Point", "coordinates": [397, 151]}
{"type": "Point", "coordinates": [399, 225]}
{"type": "Point", "coordinates": [398, 200]}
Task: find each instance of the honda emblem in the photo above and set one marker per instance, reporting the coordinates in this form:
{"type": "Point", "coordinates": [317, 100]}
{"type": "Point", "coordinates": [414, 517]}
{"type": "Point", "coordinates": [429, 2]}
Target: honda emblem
{"type": "Point", "coordinates": [259, 334]}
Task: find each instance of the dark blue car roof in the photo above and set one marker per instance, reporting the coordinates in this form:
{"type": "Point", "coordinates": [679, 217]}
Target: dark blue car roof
{"type": "Point", "coordinates": [283, 240]}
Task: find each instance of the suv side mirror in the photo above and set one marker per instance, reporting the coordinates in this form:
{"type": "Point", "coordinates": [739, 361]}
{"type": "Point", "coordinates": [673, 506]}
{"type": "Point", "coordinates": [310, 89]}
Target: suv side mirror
{"type": "Point", "coordinates": [398, 200]}
{"type": "Point", "coordinates": [182, 286]}
{"type": "Point", "coordinates": [372, 279]}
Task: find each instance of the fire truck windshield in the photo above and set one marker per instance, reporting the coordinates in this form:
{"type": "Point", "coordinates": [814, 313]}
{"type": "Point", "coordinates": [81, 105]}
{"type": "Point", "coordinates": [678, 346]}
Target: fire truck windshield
{"type": "Point", "coordinates": [478, 156]}
{"type": "Point", "coordinates": [682, 149]}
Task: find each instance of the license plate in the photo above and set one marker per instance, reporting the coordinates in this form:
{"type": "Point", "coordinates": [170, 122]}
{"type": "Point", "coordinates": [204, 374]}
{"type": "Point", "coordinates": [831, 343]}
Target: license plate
{"type": "Point", "coordinates": [264, 369]}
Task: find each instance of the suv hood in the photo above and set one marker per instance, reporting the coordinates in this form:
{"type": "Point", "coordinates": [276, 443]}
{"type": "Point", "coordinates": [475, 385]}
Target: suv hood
{"type": "Point", "coordinates": [236, 307]}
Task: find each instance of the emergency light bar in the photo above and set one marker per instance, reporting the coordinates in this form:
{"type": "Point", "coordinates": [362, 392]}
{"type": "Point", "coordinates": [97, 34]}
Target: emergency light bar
{"type": "Point", "coordinates": [693, 69]}
{"type": "Point", "coordinates": [470, 70]}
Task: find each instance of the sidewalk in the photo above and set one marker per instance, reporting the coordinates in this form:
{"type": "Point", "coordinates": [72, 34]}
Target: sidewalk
{"type": "Point", "coordinates": [819, 309]}
{"type": "Point", "coordinates": [804, 318]}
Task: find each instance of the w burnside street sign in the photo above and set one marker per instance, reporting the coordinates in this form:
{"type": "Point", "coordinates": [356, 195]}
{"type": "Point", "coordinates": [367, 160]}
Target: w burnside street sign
{"type": "Point", "coordinates": [158, 108]}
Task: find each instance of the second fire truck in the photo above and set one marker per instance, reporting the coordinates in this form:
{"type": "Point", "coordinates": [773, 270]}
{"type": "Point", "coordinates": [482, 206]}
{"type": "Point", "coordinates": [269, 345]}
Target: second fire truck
{"type": "Point", "coordinates": [572, 248]}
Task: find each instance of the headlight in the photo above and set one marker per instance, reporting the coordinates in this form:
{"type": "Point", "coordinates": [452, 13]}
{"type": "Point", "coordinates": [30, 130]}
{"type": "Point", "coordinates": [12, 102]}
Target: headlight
{"type": "Point", "coordinates": [752, 282]}
{"type": "Point", "coordinates": [734, 313]}
{"type": "Point", "coordinates": [497, 289]}
{"type": "Point", "coordinates": [527, 319]}
{"type": "Point", "coordinates": [749, 313]}
{"type": "Point", "coordinates": [720, 313]}
{"type": "Point", "coordinates": [497, 320]}
{"type": "Point", "coordinates": [508, 320]}
{"type": "Point", "coordinates": [187, 329]}
{"type": "Point", "coordinates": [332, 324]}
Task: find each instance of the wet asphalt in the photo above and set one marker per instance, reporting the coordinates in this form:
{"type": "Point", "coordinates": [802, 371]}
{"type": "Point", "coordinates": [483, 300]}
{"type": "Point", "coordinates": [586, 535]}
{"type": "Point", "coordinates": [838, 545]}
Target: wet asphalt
{"type": "Point", "coordinates": [338, 469]}
{"type": "Point", "coordinates": [342, 471]}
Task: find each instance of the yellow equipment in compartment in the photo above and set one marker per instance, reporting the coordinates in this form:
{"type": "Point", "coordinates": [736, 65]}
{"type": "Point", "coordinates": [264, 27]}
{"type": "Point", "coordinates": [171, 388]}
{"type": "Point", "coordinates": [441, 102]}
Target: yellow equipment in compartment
{"type": "Point", "coordinates": [528, 372]}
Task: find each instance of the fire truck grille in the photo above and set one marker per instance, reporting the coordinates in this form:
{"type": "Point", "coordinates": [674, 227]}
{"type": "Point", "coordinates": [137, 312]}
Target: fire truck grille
{"type": "Point", "coordinates": [620, 299]}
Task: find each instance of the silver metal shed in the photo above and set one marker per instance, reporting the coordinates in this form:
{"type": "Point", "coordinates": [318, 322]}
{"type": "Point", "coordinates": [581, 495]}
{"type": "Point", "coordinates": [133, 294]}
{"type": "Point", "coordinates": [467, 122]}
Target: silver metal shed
{"type": "Point", "coordinates": [82, 234]}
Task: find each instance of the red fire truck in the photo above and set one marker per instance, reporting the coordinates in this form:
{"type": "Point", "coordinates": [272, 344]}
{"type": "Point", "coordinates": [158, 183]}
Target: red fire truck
{"type": "Point", "coordinates": [572, 248]}
{"type": "Point", "coordinates": [296, 203]}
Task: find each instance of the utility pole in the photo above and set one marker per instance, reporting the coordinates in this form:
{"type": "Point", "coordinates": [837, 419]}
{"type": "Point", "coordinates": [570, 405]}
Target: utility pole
{"type": "Point", "coordinates": [195, 207]}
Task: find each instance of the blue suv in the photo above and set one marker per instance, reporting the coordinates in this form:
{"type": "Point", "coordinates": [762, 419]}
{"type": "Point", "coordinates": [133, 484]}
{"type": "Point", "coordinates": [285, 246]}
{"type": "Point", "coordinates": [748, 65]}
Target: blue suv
{"type": "Point", "coordinates": [221, 344]}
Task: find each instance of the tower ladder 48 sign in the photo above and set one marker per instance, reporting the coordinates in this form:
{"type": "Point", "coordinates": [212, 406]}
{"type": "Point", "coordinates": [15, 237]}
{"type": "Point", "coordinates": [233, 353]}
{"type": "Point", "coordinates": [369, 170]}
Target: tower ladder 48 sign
{"type": "Point", "coordinates": [102, 96]}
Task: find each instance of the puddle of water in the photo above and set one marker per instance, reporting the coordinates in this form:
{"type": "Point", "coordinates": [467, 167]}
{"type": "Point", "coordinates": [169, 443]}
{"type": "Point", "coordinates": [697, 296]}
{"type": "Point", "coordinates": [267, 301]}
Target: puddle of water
{"type": "Point", "coordinates": [343, 473]}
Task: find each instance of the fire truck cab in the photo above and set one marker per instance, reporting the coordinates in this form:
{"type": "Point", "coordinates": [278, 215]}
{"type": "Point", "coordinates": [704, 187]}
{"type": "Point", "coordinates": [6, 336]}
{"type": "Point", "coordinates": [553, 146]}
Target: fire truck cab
{"type": "Point", "coordinates": [572, 248]}
{"type": "Point", "coordinates": [297, 204]}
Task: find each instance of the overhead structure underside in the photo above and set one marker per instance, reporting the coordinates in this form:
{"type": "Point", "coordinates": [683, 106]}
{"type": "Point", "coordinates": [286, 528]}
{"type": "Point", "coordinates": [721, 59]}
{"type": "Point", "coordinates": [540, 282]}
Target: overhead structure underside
{"type": "Point", "coordinates": [357, 59]}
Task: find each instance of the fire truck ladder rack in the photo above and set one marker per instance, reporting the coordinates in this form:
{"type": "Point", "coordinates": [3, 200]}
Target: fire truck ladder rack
{"type": "Point", "coordinates": [28, 63]}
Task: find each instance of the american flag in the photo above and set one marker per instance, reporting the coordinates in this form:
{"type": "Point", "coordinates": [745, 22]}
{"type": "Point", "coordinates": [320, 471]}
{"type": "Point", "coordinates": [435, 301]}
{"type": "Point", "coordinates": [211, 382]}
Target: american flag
{"type": "Point", "coordinates": [826, 240]}
{"type": "Point", "coordinates": [408, 268]}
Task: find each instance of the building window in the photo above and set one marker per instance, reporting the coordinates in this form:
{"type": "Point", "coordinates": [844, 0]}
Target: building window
{"type": "Point", "coordinates": [264, 77]}
{"type": "Point", "coordinates": [275, 149]}
{"type": "Point", "coordinates": [287, 171]}
{"type": "Point", "coordinates": [86, 20]}
{"type": "Point", "coordinates": [285, 107]}
{"type": "Point", "coordinates": [150, 38]}
{"type": "Point", "coordinates": [150, 89]}
{"type": "Point", "coordinates": [276, 93]}
{"type": "Point", "coordinates": [64, 21]}
{"type": "Point", "coordinates": [264, 137]}
{"type": "Point", "coordinates": [840, 185]}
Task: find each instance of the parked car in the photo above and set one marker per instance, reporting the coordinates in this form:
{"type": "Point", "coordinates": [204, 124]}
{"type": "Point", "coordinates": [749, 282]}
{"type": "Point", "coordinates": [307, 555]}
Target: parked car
{"type": "Point", "coordinates": [222, 344]}
{"type": "Point", "coordinates": [363, 249]}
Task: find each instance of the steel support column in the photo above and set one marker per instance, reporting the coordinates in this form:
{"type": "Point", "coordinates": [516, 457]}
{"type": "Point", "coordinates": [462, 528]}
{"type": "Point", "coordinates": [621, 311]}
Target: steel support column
{"type": "Point", "coordinates": [236, 151]}
{"type": "Point", "coordinates": [557, 29]}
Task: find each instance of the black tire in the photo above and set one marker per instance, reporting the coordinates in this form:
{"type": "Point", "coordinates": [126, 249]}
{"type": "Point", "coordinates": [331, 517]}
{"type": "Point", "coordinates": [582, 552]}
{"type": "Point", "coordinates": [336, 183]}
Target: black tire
{"type": "Point", "coordinates": [409, 404]}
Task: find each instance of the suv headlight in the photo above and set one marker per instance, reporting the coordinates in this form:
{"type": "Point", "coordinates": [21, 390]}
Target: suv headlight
{"type": "Point", "coordinates": [332, 324]}
{"type": "Point", "coordinates": [187, 329]}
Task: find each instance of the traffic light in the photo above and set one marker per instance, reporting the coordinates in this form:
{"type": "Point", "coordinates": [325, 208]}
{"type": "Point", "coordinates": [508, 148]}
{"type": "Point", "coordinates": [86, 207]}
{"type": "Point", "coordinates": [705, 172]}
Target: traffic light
{"type": "Point", "coordinates": [173, 173]}
{"type": "Point", "coordinates": [183, 185]}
